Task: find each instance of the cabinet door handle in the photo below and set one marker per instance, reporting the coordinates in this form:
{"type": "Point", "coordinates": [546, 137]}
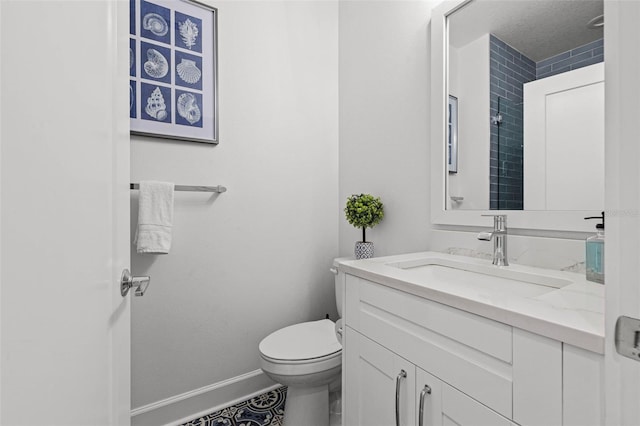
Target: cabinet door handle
{"type": "Point", "coordinates": [401, 376]}
{"type": "Point", "coordinates": [425, 391]}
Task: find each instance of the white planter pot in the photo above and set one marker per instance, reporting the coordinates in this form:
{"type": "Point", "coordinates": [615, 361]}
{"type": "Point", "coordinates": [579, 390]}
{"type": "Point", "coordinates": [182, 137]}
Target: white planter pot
{"type": "Point", "coordinates": [363, 250]}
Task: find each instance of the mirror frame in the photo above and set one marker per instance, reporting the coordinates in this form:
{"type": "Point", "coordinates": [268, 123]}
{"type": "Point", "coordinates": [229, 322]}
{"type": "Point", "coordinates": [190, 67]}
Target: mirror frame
{"type": "Point", "coordinates": [539, 220]}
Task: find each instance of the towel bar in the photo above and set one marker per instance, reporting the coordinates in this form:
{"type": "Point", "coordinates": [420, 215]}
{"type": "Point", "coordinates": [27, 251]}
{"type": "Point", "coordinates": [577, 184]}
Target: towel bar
{"type": "Point", "coordinates": [195, 188]}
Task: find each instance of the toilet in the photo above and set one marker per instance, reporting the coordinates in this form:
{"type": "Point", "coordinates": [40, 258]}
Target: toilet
{"type": "Point", "coordinates": [307, 358]}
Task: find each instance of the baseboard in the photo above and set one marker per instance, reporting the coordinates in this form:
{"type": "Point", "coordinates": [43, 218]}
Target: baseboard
{"type": "Point", "coordinates": [189, 405]}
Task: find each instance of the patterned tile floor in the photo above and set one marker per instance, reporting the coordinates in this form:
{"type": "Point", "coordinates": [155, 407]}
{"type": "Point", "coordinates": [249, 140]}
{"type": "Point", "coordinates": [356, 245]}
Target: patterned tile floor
{"type": "Point", "coordinates": [263, 410]}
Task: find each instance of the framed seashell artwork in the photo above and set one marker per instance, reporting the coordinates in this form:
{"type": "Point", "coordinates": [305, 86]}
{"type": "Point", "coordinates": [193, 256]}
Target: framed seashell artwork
{"type": "Point", "coordinates": [173, 68]}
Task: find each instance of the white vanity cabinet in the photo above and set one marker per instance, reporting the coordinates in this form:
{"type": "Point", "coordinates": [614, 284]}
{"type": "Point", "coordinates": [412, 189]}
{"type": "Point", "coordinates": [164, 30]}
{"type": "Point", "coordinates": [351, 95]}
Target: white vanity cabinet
{"type": "Point", "coordinates": [479, 371]}
{"type": "Point", "coordinates": [377, 376]}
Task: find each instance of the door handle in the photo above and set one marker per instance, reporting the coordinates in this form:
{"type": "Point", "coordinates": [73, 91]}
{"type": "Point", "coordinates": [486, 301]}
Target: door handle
{"type": "Point", "coordinates": [628, 337]}
{"type": "Point", "coordinates": [425, 391]}
{"type": "Point", "coordinates": [128, 281]}
{"type": "Point", "coordinates": [401, 376]}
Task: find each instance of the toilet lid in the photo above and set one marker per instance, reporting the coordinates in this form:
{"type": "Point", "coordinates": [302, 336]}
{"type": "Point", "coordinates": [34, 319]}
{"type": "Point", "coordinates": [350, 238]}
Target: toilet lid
{"type": "Point", "coordinates": [308, 340]}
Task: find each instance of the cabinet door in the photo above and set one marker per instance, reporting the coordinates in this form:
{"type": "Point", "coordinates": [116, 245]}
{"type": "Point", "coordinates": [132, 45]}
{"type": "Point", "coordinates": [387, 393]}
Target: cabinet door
{"type": "Point", "coordinates": [428, 399]}
{"type": "Point", "coordinates": [459, 409]}
{"type": "Point", "coordinates": [443, 405]}
{"type": "Point", "coordinates": [372, 375]}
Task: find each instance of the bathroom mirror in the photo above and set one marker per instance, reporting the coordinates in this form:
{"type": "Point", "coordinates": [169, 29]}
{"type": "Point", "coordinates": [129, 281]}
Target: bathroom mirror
{"type": "Point", "coordinates": [527, 77]}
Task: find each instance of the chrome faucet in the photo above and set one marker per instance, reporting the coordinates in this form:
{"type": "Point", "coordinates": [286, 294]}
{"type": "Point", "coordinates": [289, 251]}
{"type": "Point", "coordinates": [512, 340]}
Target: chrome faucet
{"type": "Point", "coordinates": [499, 236]}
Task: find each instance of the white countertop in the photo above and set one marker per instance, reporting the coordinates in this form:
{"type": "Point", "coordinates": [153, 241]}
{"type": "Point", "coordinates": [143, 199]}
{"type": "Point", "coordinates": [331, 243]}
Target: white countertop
{"type": "Point", "coordinates": [573, 314]}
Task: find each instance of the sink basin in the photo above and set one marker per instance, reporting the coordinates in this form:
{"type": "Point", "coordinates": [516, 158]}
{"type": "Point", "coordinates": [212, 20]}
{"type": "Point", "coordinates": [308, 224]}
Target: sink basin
{"type": "Point", "coordinates": [509, 279]}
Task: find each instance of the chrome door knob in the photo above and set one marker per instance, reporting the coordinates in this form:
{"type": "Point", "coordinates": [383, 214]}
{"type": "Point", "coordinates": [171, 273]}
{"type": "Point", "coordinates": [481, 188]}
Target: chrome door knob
{"type": "Point", "coordinates": [128, 281]}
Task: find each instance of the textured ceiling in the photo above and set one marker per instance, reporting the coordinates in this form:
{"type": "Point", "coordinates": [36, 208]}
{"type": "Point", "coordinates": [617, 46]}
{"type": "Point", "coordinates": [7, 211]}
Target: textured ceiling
{"type": "Point", "coordinates": [537, 28]}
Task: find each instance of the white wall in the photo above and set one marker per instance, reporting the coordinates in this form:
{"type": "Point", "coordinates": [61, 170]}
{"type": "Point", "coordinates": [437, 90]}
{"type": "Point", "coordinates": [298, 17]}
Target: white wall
{"type": "Point", "coordinates": [384, 144]}
{"type": "Point", "coordinates": [471, 86]}
{"type": "Point", "coordinates": [256, 258]}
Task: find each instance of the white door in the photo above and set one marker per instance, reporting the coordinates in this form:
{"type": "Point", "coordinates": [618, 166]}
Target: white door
{"type": "Point", "coordinates": [564, 130]}
{"type": "Point", "coordinates": [64, 213]}
{"type": "Point", "coordinates": [622, 201]}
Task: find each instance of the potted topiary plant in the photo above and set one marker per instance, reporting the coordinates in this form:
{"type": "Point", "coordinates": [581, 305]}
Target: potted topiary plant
{"type": "Point", "coordinates": [364, 211]}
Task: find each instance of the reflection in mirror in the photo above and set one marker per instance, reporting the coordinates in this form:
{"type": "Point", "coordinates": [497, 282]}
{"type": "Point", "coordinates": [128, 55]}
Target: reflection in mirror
{"type": "Point", "coordinates": [452, 135]}
{"type": "Point", "coordinates": [528, 79]}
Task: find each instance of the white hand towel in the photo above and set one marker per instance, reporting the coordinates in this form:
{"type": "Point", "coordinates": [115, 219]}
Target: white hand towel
{"type": "Point", "coordinates": [155, 217]}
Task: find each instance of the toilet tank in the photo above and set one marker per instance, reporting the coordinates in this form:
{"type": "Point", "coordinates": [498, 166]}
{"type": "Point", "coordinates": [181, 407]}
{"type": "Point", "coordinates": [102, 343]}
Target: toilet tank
{"type": "Point", "coordinates": [339, 283]}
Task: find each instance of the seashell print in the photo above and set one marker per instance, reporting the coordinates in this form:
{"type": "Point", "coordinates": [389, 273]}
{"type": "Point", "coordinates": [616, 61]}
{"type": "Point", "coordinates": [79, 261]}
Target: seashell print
{"type": "Point", "coordinates": [131, 97]}
{"type": "Point", "coordinates": [155, 23]}
{"type": "Point", "coordinates": [188, 71]}
{"type": "Point", "coordinates": [188, 108]}
{"type": "Point", "coordinates": [156, 65]}
{"type": "Point", "coordinates": [156, 107]}
{"type": "Point", "coordinates": [130, 57]}
{"type": "Point", "coordinates": [188, 32]}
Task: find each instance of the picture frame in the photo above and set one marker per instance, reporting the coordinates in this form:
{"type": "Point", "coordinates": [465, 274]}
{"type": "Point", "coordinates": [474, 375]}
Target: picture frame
{"type": "Point", "coordinates": [173, 70]}
{"type": "Point", "coordinates": [452, 135]}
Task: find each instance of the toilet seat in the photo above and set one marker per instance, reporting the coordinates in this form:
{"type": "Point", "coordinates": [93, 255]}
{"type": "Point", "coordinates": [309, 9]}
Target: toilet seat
{"type": "Point", "coordinates": [307, 341]}
{"type": "Point", "coordinates": [332, 357]}
{"type": "Point", "coordinates": [302, 349]}
{"type": "Point", "coordinates": [302, 367]}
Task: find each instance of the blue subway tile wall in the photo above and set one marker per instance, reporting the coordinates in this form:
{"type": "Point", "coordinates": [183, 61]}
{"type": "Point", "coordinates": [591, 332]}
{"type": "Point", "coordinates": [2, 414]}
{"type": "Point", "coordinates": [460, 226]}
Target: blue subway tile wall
{"type": "Point", "coordinates": [509, 70]}
{"type": "Point", "coordinates": [587, 54]}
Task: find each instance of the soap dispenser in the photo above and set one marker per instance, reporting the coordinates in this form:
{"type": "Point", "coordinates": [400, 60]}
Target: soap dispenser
{"type": "Point", "coordinates": [595, 253]}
